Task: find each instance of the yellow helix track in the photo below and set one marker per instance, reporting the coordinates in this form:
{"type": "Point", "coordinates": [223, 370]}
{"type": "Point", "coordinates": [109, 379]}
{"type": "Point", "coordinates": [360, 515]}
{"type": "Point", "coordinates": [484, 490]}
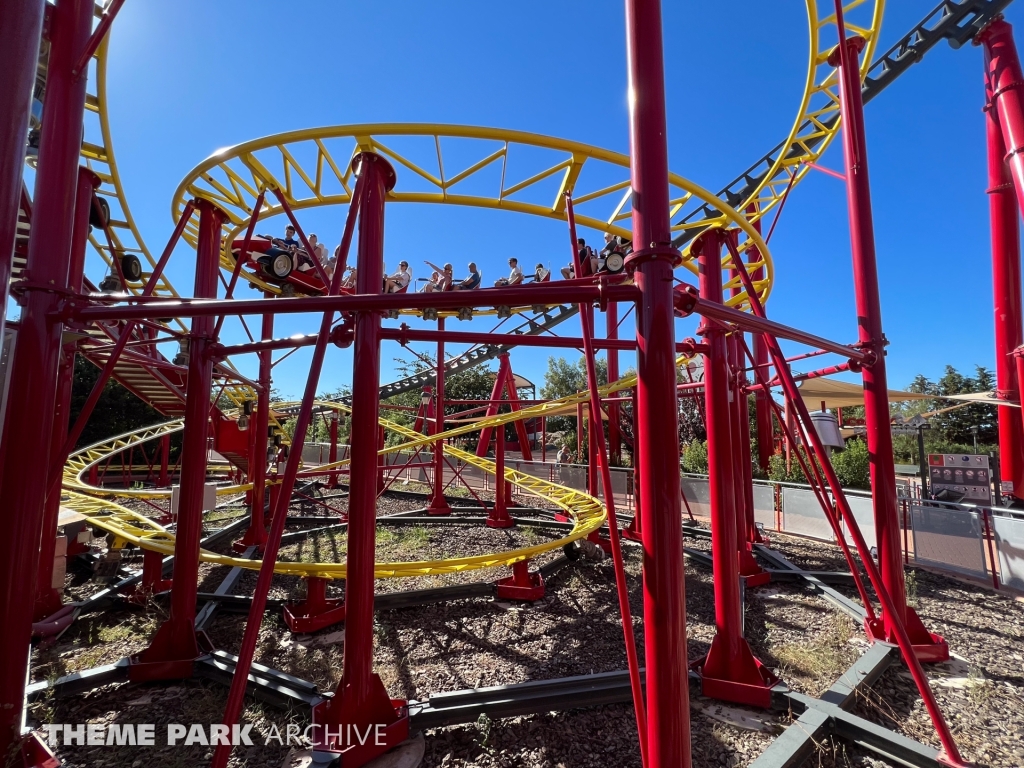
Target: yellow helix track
{"type": "Point", "coordinates": [586, 512]}
{"type": "Point", "coordinates": [233, 177]}
{"type": "Point", "coordinates": [311, 167]}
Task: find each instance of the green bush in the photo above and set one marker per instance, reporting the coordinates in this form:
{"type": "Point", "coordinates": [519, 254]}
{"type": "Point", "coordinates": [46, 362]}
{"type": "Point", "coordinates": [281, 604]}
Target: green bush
{"type": "Point", "coordinates": [852, 465]}
{"type": "Point", "coordinates": [695, 457]}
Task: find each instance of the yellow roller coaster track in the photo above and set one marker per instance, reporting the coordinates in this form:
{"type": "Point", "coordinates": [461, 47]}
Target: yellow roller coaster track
{"type": "Point", "coordinates": [312, 167]}
{"type": "Point", "coordinates": [127, 526]}
{"type": "Point", "coordinates": [586, 512]}
{"type": "Point", "coordinates": [233, 177]}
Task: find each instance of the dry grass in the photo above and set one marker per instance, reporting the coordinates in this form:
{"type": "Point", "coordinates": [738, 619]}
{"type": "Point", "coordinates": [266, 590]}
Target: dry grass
{"type": "Point", "coordinates": [819, 659]}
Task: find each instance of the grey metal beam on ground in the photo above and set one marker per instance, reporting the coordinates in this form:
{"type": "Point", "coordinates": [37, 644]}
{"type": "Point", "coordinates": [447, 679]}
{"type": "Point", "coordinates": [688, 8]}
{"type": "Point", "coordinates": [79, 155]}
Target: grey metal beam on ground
{"type": "Point", "coordinates": [838, 599]}
{"type": "Point", "coordinates": [801, 738]}
{"type": "Point", "coordinates": [106, 596]}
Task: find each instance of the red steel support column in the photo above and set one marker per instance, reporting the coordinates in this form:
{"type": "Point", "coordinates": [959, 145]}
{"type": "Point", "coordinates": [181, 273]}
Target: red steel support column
{"type": "Point", "coordinates": [165, 457]}
{"type": "Point", "coordinates": [746, 531]}
{"type": "Point", "coordinates": [174, 647]}
{"type": "Point", "coordinates": [668, 707]}
{"type": "Point", "coordinates": [31, 397]}
{"type": "Point", "coordinates": [21, 24]}
{"type": "Point", "coordinates": [871, 338]}
{"type": "Point", "coordinates": [730, 670]}
{"type": "Point", "coordinates": [257, 532]}
{"type": "Point", "coordinates": [498, 516]}
{"type": "Point", "coordinates": [332, 451]}
{"type": "Point", "coordinates": [48, 597]}
{"type": "Point", "coordinates": [1001, 65]}
{"type": "Point", "coordinates": [762, 408]}
{"type": "Point", "coordinates": [1005, 79]}
{"type": "Point", "coordinates": [765, 434]}
{"type": "Point", "coordinates": [438, 503]}
{"type": "Point", "coordinates": [614, 411]}
{"type": "Point", "coordinates": [361, 697]}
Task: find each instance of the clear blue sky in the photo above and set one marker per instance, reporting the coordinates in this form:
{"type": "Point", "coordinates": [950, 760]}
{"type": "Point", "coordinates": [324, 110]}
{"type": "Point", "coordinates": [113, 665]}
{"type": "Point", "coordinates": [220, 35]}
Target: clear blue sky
{"type": "Point", "coordinates": [189, 77]}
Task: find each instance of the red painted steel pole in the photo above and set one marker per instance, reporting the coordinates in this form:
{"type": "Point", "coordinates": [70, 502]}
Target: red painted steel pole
{"type": "Point", "coordinates": [438, 503]}
{"type": "Point", "coordinates": [614, 410]}
{"type": "Point", "coordinates": [165, 455]}
{"type": "Point", "coordinates": [869, 326]}
{"type": "Point", "coordinates": [730, 670]}
{"type": "Point", "coordinates": [668, 707]}
{"type": "Point", "coordinates": [1005, 79]}
{"type": "Point", "coordinates": [360, 696]}
{"type": "Point", "coordinates": [332, 451]}
{"type": "Point", "coordinates": [281, 494]}
{"type": "Point", "coordinates": [762, 408]}
{"type": "Point", "coordinates": [21, 25]}
{"type": "Point", "coordinates": [174, 645]}
{"type": "Point", "coordinates": [1006, 272]}
{"type": "Point", "coordinates": [34, 370]}
{"type": "Point", "coordinates": [257, 533]}
{"type": "Point", "coordinates": [48, 597]}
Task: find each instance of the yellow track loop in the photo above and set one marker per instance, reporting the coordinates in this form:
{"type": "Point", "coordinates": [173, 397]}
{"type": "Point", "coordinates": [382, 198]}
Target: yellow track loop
{"type": "Point", "coordinates": [820, 102]}
{"type": "Point", "coordinates": [586, 511]}
{"type": "Point", "coordinates": [819, 105]}
{"type": "Point", "coordinates": [81, 461]}
{"type": "Point", "coordinates": [312, 167]}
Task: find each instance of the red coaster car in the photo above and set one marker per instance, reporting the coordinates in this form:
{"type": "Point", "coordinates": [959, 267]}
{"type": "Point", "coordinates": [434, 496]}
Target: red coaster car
{"type": "Point", "coordinates": [277, 266]}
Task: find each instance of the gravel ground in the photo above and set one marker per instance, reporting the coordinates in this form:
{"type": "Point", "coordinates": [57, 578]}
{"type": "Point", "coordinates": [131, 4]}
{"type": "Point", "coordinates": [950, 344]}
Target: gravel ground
{"type": "Point", "coordinates": [575, 629]}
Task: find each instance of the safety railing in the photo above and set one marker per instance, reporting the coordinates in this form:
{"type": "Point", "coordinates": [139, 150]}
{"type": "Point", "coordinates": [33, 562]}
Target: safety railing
{"type": "Point", "coordinates": [984, 543]}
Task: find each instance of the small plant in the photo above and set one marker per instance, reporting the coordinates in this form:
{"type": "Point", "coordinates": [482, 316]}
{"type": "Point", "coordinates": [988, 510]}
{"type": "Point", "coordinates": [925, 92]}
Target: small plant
{"type": "Point", "coordinates": [979, 690]}
{"type": "Point", "coordinates": [484, 725]}
{"type": "Point", "coordinates": [530, 534]}
{"type": "Point", "coordinates": [910, 580]}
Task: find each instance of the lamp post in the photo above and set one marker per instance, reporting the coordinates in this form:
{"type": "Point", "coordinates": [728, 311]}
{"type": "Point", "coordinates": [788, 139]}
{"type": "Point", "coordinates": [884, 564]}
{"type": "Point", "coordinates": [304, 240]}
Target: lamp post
{"type": "Point", "coordinates": [974, 434]}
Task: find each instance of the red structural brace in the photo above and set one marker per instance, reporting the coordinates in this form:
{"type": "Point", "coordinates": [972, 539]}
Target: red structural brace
{"type": "Point", "coordinates": [1005, 132]}
{"type": "Point", "coordinates": [281, 494]}
{"type": "Point", "coordinates": [596, 439]}
{"type": "Point", "coordinates": [872, 339]}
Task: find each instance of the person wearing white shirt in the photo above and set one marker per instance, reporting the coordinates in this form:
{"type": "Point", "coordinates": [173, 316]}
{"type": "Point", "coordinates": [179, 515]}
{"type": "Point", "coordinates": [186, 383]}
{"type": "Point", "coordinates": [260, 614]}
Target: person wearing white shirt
{"type": "Point", "coordinates": [515, 276]}
{"type": "Point", "coordinates": [400, 280]}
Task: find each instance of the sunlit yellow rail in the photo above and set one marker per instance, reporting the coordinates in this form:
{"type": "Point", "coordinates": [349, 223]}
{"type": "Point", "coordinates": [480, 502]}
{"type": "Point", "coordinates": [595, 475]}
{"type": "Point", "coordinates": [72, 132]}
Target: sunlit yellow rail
{"type": "Point", "coordinates": [586, 512]}
{"type": "Point", "coordinates": [516, 171]}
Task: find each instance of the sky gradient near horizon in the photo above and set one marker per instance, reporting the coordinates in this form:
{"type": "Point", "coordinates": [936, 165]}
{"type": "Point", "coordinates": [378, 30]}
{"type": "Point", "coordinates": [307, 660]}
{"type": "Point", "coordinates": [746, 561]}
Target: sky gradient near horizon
{"type": "Point", "coordinates": [190, 77]}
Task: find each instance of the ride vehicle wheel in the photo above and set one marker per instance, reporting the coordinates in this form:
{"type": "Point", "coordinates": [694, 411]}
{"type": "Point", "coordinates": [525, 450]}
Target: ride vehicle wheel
{"type": "Point", "coordinates": [278, 266]}
{"type": "Point", "coordinates": [99, 213]}
{"type": "Point", "coordinates": [281, 266]}
{"type": "Point", "coordinates": [614, 263]}
{"type": "Point", "coordinates": [131, 268]}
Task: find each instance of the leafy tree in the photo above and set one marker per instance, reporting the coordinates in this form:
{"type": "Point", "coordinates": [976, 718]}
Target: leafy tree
{"type": "Point", "coordinates": [562, 379]}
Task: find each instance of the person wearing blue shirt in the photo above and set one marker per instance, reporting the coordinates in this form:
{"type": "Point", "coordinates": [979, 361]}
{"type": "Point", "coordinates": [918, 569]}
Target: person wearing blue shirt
{"type": "Point", "coordinates": [471, 282]}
